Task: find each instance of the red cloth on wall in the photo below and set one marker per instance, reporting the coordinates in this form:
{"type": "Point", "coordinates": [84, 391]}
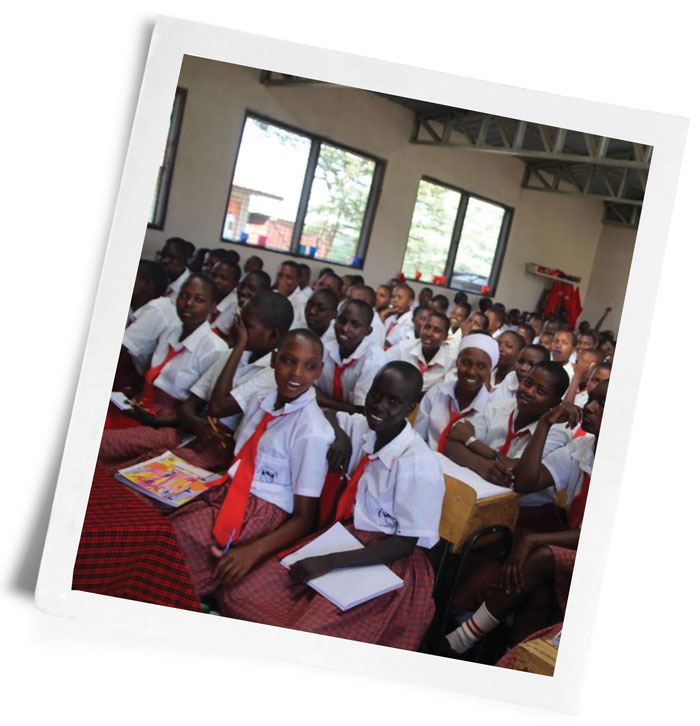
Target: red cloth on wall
{"type": "Point", "coordinates": [565, 297]}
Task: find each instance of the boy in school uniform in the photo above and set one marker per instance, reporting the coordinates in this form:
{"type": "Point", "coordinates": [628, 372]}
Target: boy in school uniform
{"type": "Point", "coordinates": [331, 281]}
{"type": "Point", "coordinates": [439, 304]}
{"type": "Point", "coordinates": [497, 321]}
{"type": "Point", "coordinates": [509, 346]}
{"type": "Point", "coordinates": [305, 280]}
{"type": "Point", "coordinates": [392, 504]}
{"type": "Point", "coordinates": [319, 314]}
{"type": "Point", "coordinates": [451, 401]}
{"type": "Point", "coordinates": [172, 257]}
{"type": "Point", "coordinates": [383, 294]}
{"type": "Point", "coordinates": [253, 264]}
{"type": "Point", "coordinates": [226, 275]}
{"type": "Point", "coordinates": [397, 316]}
{"type": "Point", "coordinates": [529, 356]}
{"type": "Point", "coordinates": [270, 497]}
{"type": "Point", "coordinates": [562, 347]}
{"type": "Point", "coordinates": [351, 362]}
{"type": "Point", "coordinates": [430, 353]}
{"type": "Point", "coordinates": [541, 561]}
{"type": "Point", "coordinates": [182, 354]}
{"type": "Point", "coordinates": [367, 294]}
{"type": "Point", "coordinates": [287, 284]}
{"type": "Point", "coordinates": [588, 360]}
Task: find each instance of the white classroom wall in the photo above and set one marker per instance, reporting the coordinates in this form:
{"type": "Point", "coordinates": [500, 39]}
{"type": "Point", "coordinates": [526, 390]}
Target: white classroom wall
{"type": "Point", "coordinates": [550, 229]}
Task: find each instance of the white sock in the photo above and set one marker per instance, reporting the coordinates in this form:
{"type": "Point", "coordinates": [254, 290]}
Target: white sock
{"type": "Point", "coordinates": [467, 634]}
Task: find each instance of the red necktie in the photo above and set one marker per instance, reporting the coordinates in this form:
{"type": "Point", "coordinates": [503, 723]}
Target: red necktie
{"type": "Point", "coordinates": [423, 367]}
{"type": "Point", "coordinates": [579, 432]}
{"type": "Point", "coordinates": [153, 373]}
{"type": "Point", "coordinates": [347, 498]}
{"type": "Point", "coordinates": [392, 325]}
{"type": "Point", "coordinates": [337, 382]}
{"type": "Point", "coordinates": [578, 504]}
{"type": "Point", "coordinates": [227, 527]}
{"type": "Point", "coordinates": [511, 435]}
{"type": "Point", "coordinates": [454, 417]}
{"type": "Point", "coordinates": [213, 315]}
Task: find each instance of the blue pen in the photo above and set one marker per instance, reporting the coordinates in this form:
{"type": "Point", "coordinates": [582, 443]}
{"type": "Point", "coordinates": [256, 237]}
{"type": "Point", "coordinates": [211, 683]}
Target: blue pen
{"type": "Point", "coordinates": [230, 540]}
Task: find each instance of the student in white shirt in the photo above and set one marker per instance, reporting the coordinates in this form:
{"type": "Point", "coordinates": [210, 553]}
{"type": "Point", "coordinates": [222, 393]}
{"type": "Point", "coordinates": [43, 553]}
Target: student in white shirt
{"type": "Point", "coordinates": [319, 314]}
{"type": "Point", "coordinates": [497, 321]}
{"type": "Point", "coordinates": [172, 257]}
{"type": "Point", "coordinates": [529, 356]}
{"type": "Point", "coordinates": [460, 312]}
{"type": "Point", "coordinates": [509, 346]}
{"type": "Point", "coordinates": [541, 561]}
{"type": "Point", "coordinates": [305, 280]}
{"type": "Point", "coordinates": [280, 465]}
{"type": "Point", "coordinates": [226, 275]}
{"type": "Point", "coordinates": [562, 347]}
{"type": "Point", "coordinates": [150, 284]}
{"type": "Point", "coordinates": [383, 295]}
{"type": "Point", "coordinates": [589, 359]}
{"type": "Point", "coordinates": [351, 362]}
{"type": "Point", "coordinates": [367, 294]}
{"type": "Point", "coordinates": [449, 402]}
{"type": "Point", "coordinates": [430, 354]}
{"type": "Point", "coordinates": [287, 284]}
{"type": "Point", "coordinates": [397, 318]}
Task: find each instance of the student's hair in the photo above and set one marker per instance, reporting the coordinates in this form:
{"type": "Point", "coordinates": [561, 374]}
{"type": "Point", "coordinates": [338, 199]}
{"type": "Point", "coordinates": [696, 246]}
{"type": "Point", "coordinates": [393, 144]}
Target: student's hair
{"type": "Point", "coordinates": [603, 364]}
{"type": "Point", "coordinates": [262, 276]}
{"type": "Point", "coordinates": [500, 314]}
{"type": "Point", "coordinates": [570, 333]}
{"type": "Point", "coordinates": [206, 279]}
{"type": "Point", "coordinates": [426, 289]}
{"type": "Point", "coordinates": [485, 324]}
{"type": "Point", "coordinates": [337, 278]}
{"type": "Point", "coordinates": [272, 310]}
{"type": "Point", "coordinates": [356, 280]}
{"type": "Point", "coordinates": [441, 316]}
{"type": "Point", "coordinates": [227, 255]}
{"type": "Point", "coordinates": [461, 298]}
{"type": "Point", "coordinates": [441, 300]}
{"type": "Point", "coordinates": [155, 274]}
{"type": "Point", "coordinates": [403, 286]}
{"type": "Point", "coordinates": [182, 247]}
{"type": "Point", "coordinates": [292, 264]}
{"type": "Point", "coordinates": [257, 259]}
{"type": "Point", "coordinates": [417, 309]}
{"type": "Point", "coordinates": [589, 334]}
{"type": "Point", "coordinates": [465, 306]}
{"type": "Point", "coordinates": [540, 349]}
{"type": "Point", "coordinates": [325, 271]}
{"type": "Point", "coordinates": [369, 292]}
{"type": "Point", "coordinates": [233, 264]}
{"type": "Point", "coordinates": [606, 335]}
{"type": "Point", "coordinates": [499, 306]}
{"type": "Point", "coordinates": [557, 371]}
{"type": "Point", "coordinates": [305, 333]}
{"type": "Point", "coordinates": [363, 307]}
{"type": "Point", "coordinates": [549, 333]}
{"type": "Point", "coordinates": [329, 295]}
{"type": "Point", "coordinates": [518, 338]}
{"type": "Point", "coordinates": [409, 372]}
{"type": "Point", "coordinates": [529, 329]}
{"type": "Point", "coordinates": [595, 352]}
{"type": "Point", "coordinates": [485, 303]}
{"type": "Point", "coordinates": [303, 266]}
{"type": "Point", "coordinates": [386, 287]}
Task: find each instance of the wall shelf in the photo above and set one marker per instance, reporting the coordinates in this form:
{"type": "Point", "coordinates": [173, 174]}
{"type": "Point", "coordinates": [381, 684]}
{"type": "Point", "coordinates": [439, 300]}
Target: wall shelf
{"type": "Point", "coordinates": [531, 267]}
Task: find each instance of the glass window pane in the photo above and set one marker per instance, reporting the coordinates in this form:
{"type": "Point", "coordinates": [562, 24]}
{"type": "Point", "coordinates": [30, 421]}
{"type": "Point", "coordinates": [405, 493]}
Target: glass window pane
{"type": "Point", "coordinates": [337, 205]}
{"type": "Point", "coordinates": [267, 185]}
{"type": "Point", "coordinates": [477, 244]}
{"type": "Point", "coordinates": [431, 231]}
{"type": "Point", "coordinates": [162, 190]}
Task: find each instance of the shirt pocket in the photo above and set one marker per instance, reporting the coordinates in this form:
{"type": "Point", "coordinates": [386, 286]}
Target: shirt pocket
{"type": "Point", "coordinates": [273, 468]}
{"type": "Point", "coordinates": [379, 504]}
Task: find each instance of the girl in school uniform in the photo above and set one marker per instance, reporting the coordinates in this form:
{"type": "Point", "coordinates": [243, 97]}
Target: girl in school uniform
{"type": "Point", "coordinates": [367, 294]}
{"type": "Point", "coordinates": [172, 257]}
{"type": "Point", "coordinates": [319, 313]}
{"type": "Point", "coordinates": [509, 346]}
{"type": "Point", "coordinates": [270, 498]}
{"type": "Point", "coordinates": [430, 353]}
{"type": "Point", "coordinates": [397, 316]}
{"type": "Point", "coordinates": [392, 504]}
{"type": "Point", "coordinates": [287, 284]}
{"type": "Point", "coordinates": [447, 403]}
{"type": "Point", "coordinates": [182, 354]}
{"type": "Point", "coordinates": [226, 275]}
{"type": "Point", "coordinates": [541, 561]}
{"type": "Point", "coordinates": [529, 356]}
{"type": "Point", "coordinates": [351, 361]}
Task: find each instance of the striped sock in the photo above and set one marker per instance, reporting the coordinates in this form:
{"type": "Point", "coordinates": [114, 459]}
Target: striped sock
{"type": "Point", "coordinates": [467, 634]}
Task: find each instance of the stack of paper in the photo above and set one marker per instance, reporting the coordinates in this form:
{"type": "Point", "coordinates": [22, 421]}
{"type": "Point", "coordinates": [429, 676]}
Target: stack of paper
{"type": "Point", "coordinates": [349, 586]}
{"type": "Point", "coordinates": [483, 488]}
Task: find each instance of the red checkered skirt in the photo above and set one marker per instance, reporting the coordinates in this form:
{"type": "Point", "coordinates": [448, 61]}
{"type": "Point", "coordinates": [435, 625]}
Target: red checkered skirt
{"type": "Point", "coordinates": [398, 619]}
{"type": "Point", "coordinates": [564, 560]}
{"type": "Point", "coordinates": [193, 525]}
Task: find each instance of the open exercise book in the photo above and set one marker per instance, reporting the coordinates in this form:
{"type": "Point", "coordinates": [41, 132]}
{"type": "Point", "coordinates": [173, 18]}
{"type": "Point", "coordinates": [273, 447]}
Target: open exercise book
{"type": "Point", "coordinates": [483, 488]}
{"type": "Point", "coordinates": [349, 586]}
{"type": "Point", "coordinates": [168, 479]}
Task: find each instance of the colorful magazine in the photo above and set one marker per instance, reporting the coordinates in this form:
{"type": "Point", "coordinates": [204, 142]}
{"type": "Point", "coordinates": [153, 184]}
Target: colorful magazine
{"type": "Point", "coordinates": [168, 479]}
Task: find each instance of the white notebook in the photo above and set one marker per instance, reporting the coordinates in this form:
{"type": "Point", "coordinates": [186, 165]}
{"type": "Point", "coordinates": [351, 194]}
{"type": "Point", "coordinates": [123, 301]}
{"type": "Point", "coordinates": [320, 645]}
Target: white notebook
{"type": "Point", "coordinates": [121, 401]}
{"type": "Point", "coordinates": [349, 586]}
{"type": "Point", "coordinates": [483, 488]}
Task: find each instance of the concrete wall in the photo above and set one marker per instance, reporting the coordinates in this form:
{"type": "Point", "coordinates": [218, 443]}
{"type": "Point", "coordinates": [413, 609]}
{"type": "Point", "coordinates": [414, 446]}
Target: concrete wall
{"type": "Point", "coordinates": [554, 230]}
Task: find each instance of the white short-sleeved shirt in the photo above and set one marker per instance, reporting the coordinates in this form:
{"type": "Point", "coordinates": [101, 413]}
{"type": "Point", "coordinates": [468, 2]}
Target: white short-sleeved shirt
{"type": "Point", "coordinates": [259, 370]}
{"type": "Point", "coordinates": [307, 292]}
{"type": "Point", "coordinates": [378, 334]}
{"type": "Point", "coordinates": [569, 464]}
{"type": "Point", "coordinates": [433, 371]}
{"type": "Point", "coordinates": [202, 348]}
{"type": "Point", "coordinates": [226, 311]}
{"type": "Point", "coordinates": [291, 456]}
{"type": "Point", "coordinates": [398, 328]}
{"type": "Point", "coordinates": [434, 412]}
{"type": "Point", "coordinates": [491, 427]}
{"type": "Point", "coordinates": [328, 336]}
{"type": "Point", "coordinates": [453, 340]}
{"type": "Point", "coordinates": [173, 289]}
{"type": "Point", "coordinates": [151, 321]}
{"type": "Point", "coordinates": [507, 388]}
{"type": "Point", "coordinates": [402, 487]}
{"type": "Point", "coordinates": [581, 398]}
{"type": "Point", "coordinates": [298, 303]}
{"type": "Point", "coordinates": [357, 378]}
{"type": "Point", "coordinates": [497, 333]}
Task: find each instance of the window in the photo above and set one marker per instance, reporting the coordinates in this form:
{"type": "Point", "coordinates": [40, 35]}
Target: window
{"type": "Point", "coordinates": [300, 194]}
{"type": "Point", "coordinates": [165, 172]}
{"type": "Point", "coordinates": [456, 239]}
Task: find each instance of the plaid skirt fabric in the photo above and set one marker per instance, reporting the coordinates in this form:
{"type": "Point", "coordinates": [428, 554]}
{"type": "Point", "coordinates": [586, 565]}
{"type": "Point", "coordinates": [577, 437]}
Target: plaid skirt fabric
{"type": "Point", "coordinates": [564, 560]}
{"type": "Point", "coordinates": [508, 660]}
{"type": "Point", "coordinates": [127, 550]}
{"type": "Point", "coordinates": [399, 619]}
{"type": "Point", "coordinates": [193, 524]}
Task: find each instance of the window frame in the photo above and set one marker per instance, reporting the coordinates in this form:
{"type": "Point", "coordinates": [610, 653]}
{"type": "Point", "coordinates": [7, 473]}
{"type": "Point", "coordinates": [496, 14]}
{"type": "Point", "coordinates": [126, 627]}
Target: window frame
{"type": "Point", "coordinates": [457, 227]}
{"type": "Point", "coordinates": [164, 183]}
{"type": "Point", "coordinates": [316, 141]}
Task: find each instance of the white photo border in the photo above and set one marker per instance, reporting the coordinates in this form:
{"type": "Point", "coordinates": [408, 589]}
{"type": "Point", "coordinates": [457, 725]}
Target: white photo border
{"type": "Point", "coordinates": [172, 40]}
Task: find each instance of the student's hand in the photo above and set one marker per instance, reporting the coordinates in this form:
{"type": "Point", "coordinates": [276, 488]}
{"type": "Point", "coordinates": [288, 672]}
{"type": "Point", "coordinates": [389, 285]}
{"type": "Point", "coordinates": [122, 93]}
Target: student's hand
{"type": "Point", "coordinates": [142, 414]}
{"type": "Point", "coordinates": [233, 565]}
{"type": "Point", "coordinates": [496, 472]}
{"type": "Point", "coordinates": [563, 413]}
{"type": "Point", "coordinates": [511, 580]}
{"type": "Point", "coordinates": [310, 568]}
{"type": "Point", "coordinates": [581, 368]}
{"type": "Point", "coordinates": [339, 453]}
{"type": "Point", "coordinates": [238, 335]}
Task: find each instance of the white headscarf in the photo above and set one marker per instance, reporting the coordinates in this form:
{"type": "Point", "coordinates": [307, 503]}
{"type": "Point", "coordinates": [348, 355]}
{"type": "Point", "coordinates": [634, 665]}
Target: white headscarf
{"type": "Point", "coordinates": [482, 341]}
